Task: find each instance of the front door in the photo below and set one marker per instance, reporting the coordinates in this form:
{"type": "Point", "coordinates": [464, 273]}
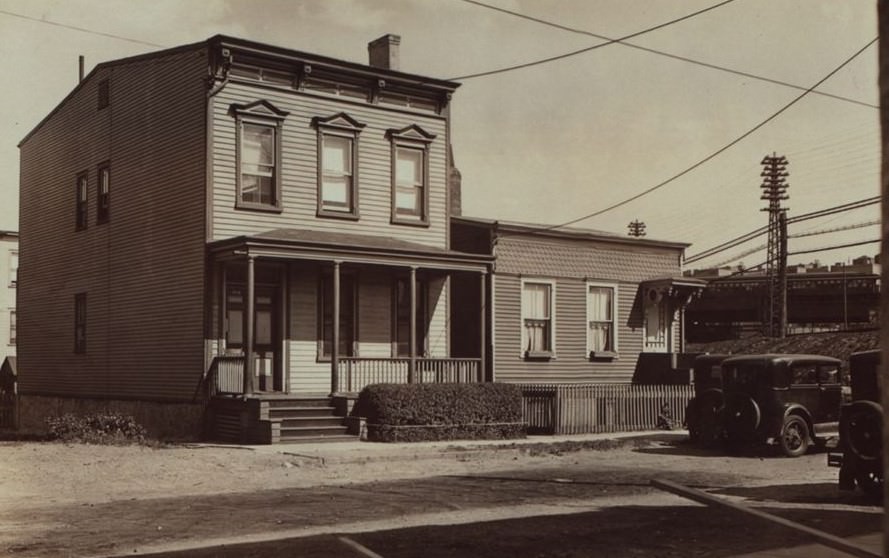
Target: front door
{"type": "Point", "coordinates": [656, 326]}
{"type": "Point", "coordinates": [266, 332]}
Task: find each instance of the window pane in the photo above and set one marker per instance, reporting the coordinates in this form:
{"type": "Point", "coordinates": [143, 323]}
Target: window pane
{"type": "Point", "coordinates": [257, 145]}
{"type": "Point", "coordinates": [263, 327]}
{"type": "Point", "coordinates": [536, 300]}
{"type": "Point", "coordinates": [335, 190]}
{"type": "Point", "coordinates": [337, 155]}
{"type": "Point", "coordinates": [600, 338]}
{"type": "Point", "coordinates": [600, 302]}
{"type": "Point", "coordinates": [407, 200]}
{"type": "Point", "coordinates": [235, 337]}
{"type": "Point", "coordinates": [409, 167]}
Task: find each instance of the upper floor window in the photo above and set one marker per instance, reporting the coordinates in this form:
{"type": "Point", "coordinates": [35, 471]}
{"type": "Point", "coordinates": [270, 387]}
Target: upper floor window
{"type": "Point", "coordinates": [103, 201]}
{"type": "Point", "coordinates": [601, 313]}
{"type": "Point", "coordinates": [259, 127]}
{"type": "Point", "coordinates": [13, 268]}
{"type": "Point", "coordinates": [81, 203]}
{"type": "Point", "coordinates": [338, 165]}
{"type": "Point", "coordinates": [538, 327]}
{"type": "Point", "coordinates": [12, 327]}
{"type": "Point", "coordinates": [410, 174]}
{"type": "Point", "coordinates": [103, 96]}
{"type": "Point", "coordinates": [80, 323]}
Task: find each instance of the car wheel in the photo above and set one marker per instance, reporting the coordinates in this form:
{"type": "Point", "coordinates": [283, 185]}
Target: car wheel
{"type": "Point", "coordinates": [861, 429]}
{"type": "Point", "coordinates": [870, 481]}
{"type": "Point", "coordinates": [794, 436]}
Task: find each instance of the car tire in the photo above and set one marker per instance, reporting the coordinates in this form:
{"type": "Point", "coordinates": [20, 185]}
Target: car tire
{"type": "Point", "coordinates": [861, 429]}
{"type": "Point", "coordinates": [794, 439]}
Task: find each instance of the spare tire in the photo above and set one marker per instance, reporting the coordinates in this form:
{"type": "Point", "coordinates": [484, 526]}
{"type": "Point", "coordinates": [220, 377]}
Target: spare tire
{"type": "Point", "coordinates": [743, 416]}
{"type": "Point", "coordinates": [861, 429]}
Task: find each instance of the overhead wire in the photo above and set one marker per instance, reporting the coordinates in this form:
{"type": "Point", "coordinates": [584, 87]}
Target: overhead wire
{"type": "Point", "coordinates": [593, 47]}
{"type": "Point", "coordinates": [790, 220]}
{"type": "Point", "coordinates": [81, 29]}
{"type": "Point", "coordinates": [622, 41]}
{"type": "Point", "coordinates": [715, 153]}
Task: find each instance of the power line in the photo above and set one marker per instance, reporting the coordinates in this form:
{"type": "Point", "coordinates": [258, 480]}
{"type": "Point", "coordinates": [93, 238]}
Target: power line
{"type": "Point", "coordinates": [622, 42]}
{"type": "Point", "coordinates": [837, 247]}
{"type": "Point", "coordinates": [799, 218]}
{"type": "Point", "coordinates": [797, 235]}
{"type": "Point", "coordinates": [81, 29]}
{"type": "Point", "coordinates": [587, 49]}
{"type": "Point", "coordinates": [715, 153]}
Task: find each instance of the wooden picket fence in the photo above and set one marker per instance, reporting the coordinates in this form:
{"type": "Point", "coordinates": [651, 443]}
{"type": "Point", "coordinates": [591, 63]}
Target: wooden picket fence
{"type": "Point", "coordinates": [589, 408]}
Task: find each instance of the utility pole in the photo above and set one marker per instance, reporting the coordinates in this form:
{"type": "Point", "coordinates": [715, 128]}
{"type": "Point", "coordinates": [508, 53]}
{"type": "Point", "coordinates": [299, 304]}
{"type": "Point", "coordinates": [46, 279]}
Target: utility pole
{"type": "Point", "coordinates": [774, 188]}
{"type": "Point", "coordinates": [637, 228]}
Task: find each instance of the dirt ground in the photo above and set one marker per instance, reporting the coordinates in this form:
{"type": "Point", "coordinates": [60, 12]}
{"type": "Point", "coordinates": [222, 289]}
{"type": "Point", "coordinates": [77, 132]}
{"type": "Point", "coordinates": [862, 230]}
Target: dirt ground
{"type": "Point", "coordinates": [81, 500]}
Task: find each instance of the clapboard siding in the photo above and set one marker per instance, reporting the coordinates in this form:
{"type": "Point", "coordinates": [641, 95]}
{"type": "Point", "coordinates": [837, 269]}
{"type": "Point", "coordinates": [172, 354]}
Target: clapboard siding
{"type": "Point", "coordinates": [570, 264]}
{"type": "Point", "coordinates": [374, 336]}
{"type": "Point", "coordinates": [143, 271]}
{"type": "Point", "coordinates": [299, 182]}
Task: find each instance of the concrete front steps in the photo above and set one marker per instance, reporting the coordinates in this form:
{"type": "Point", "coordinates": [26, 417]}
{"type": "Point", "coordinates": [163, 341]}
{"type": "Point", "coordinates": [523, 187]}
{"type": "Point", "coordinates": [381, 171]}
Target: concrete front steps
{"type": "Point", "coordinates": [277, 418]}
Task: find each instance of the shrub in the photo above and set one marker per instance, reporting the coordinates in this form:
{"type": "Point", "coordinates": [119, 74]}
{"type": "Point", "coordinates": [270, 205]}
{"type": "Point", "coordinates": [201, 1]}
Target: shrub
{"type": "Point", "coordinates": [96, 429]}
{"type": "Point", "coordinates": [418, 412]}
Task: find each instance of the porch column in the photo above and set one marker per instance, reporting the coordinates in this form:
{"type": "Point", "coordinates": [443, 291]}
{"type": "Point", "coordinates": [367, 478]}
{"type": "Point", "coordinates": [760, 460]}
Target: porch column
{"type": "Point", "coordinates": [248, 326]}
{"type": "Point", "coordinates": [335, 349]}
{"type": "Point", "coordinates": [412, 365]}
{"type": "Point", "coordinates": [482, 318]}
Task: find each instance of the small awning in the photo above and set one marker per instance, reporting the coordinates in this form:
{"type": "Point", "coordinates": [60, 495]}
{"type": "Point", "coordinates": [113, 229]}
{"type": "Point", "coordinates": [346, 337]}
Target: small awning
{"type": "Point", "coordinates": [298, 244]}
{"type": "Point", "coordinates": [678, 289]}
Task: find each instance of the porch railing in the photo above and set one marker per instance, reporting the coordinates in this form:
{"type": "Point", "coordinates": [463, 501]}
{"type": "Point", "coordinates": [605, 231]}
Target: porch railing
{"type": "Point", "coordinates": [356, 373]}
{"type": "Point", "coordinates": [586, 408]}
{"type": "Point", "coordinates": [227, 375]}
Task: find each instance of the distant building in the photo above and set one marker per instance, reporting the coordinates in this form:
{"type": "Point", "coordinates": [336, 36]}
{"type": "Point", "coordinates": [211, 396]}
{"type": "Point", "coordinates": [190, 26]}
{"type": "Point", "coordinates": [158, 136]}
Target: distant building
{"type": "Point", "coordinates": [9, 264]}
{"type": "Point", "coordinates": [819, 298]}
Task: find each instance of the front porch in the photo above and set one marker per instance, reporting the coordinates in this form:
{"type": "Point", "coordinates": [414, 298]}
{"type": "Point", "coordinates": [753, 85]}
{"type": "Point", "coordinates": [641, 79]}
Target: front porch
{"type": "Point", "coordinates": [297, 316]}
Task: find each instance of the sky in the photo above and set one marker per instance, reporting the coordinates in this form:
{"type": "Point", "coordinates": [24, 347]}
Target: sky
{"type": "Point", "coordinates": [554, 142]}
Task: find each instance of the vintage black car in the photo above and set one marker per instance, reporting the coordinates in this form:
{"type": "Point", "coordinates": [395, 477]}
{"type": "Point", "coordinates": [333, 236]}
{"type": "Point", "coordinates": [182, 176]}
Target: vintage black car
{"type": "Point", "coordinates": [860, 447]}
{"type": "Point", "coordinates": [789, 400]}
{"type": "Point", "coordinates": [702, 414]}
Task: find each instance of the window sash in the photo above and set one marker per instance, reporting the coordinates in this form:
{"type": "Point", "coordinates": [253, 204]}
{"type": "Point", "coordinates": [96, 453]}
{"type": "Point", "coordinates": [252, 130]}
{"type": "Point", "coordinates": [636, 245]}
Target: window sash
{"type": "Point", "coordinates": [410, 180]}
{"type": "Point", "coordinates": [257, 151]}
{"type": "Point", "coordinates": [537, 317]}
{"type": "Point", "coordinates": [337, 177]}
{"type": "Point", "coordinates": [104, 191]}
{"type": "Point", "coordinates": [80, 323]}
{"type": "Point", "coordinates": [82, 207]}
{"type": "Point", "coordinates": [12, 327]}
{"type": "Point", "coordinates": [600, 316]}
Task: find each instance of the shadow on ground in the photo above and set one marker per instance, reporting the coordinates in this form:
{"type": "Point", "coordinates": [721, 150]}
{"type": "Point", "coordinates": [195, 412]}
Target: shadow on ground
{"type": "Point", "coordinates": [815, 493]}
{"type": "Point", "coordinates": [616, 532]}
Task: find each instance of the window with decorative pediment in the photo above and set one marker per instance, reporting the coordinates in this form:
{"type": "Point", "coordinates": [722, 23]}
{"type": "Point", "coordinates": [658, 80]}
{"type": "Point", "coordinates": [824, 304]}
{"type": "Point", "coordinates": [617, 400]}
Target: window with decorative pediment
{"type": "Point", "coordinates": [338, 165]}
{"type": "Point", "coordinates": [259, 126]}
{"type": "Point", "coordinates": [410, 174]}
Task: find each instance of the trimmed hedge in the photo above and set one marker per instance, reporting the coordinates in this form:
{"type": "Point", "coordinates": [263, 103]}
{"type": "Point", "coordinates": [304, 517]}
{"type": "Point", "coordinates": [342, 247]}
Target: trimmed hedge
{"type": "Point", "coordinates": [421, 412]}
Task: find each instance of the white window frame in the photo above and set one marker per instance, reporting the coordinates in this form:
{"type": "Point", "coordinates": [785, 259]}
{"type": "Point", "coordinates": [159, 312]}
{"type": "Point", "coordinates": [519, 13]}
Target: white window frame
{"type": "Point", "coordinates": [615, 306]}
{"type": "Point", "coordinates": [552, 319]}
{"type": "Point", "coordinates": [12, 326]}
{"type": "Point", "coordinates": [13, 268]}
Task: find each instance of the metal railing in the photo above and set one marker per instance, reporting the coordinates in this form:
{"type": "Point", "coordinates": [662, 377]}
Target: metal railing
{"type": "Point", "coordinates": [589, 408]}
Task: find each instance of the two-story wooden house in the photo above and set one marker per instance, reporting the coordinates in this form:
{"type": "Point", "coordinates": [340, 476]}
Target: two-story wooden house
{"type": "Point", "coordinates": [242, 228]}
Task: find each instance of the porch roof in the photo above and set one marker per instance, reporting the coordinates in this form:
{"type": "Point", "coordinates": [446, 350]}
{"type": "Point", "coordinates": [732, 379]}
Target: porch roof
{"type": "Point", "coordinates": [303, 244]}
{"type": "Point", "coordinates": [682, 289]}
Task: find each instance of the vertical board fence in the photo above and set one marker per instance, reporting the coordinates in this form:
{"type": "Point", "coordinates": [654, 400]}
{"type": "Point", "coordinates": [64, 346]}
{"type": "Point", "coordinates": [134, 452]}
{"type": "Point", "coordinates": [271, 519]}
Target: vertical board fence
{"type": "Point", "coordinates": [590, 408]}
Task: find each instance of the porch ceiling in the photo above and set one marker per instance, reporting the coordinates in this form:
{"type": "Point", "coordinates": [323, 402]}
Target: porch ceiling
{"type": "Point", "coordinates": [300, 244]}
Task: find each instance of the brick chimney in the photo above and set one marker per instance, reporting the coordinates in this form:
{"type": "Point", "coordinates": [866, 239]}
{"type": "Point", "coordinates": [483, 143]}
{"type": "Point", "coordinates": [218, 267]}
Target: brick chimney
{"type": "Point", "coordinates": [384, 52]}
